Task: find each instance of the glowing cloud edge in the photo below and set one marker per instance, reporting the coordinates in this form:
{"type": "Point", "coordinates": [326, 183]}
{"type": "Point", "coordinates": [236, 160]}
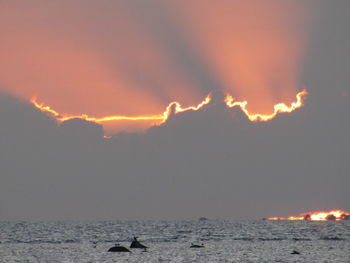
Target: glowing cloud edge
{"type": "Point", "coordinates": [278, 108]}
{"type": "Point", "coordinates": [175, 108]}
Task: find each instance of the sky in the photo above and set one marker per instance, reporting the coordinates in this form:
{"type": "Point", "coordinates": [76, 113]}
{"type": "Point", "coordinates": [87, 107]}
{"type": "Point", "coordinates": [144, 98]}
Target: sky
{"type": "Point", "coordinates": [133, 58]}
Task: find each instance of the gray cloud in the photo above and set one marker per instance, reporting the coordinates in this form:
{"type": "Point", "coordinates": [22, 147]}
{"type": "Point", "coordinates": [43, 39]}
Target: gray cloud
{"type": "Point", "coordinates": [213, 162]}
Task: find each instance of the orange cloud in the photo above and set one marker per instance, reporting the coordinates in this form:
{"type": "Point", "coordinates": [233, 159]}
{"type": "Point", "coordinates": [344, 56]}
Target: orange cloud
{"type": "Point", "coordinates": [254, 47]}
{"type": "Point", "coordinates": [131, 58]}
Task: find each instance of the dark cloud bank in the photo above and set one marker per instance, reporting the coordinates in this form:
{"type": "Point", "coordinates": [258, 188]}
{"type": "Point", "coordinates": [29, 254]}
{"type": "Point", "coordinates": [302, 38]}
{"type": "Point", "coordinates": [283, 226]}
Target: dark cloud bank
{"type": "Point", "coordinates": [211, 163]}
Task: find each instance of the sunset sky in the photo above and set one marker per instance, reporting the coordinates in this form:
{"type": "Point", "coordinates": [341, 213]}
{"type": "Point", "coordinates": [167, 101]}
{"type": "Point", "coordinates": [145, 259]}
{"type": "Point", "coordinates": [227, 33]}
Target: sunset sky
{"type": "Point", "coordinates": [134, 58]}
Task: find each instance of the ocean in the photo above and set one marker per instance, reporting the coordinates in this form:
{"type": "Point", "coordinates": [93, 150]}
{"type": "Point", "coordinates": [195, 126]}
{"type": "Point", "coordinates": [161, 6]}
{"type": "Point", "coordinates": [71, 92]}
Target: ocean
{"type": "Point", "coordinates": [170, 241]}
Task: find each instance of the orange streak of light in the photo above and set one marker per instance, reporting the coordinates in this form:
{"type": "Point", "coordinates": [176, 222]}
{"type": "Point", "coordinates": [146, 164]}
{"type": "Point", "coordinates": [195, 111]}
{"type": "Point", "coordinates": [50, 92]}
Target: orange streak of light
{"type": "Point", "coordinates": [179, 109]}
{"type": "Point", "coordinates": [175, 108]}
{"type": "Point", "coordinates": [278, 108]}
{"type": "Point", "coordinates": [161, 117]}
{"type": "Point", "coordinates": [44, 108]}
{"type": "Point", "coordinates": [315, 216]}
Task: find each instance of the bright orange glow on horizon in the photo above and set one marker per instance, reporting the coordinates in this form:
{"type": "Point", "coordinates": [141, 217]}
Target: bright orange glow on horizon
{"type": "Point", "coordinates": [278, 108]}
{"type": "Point", "coordinates": [317, 216]}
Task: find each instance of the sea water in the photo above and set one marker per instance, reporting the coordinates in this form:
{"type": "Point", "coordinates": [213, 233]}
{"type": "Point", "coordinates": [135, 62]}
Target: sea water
{"type": "Point", "coordinates": [170, 241]}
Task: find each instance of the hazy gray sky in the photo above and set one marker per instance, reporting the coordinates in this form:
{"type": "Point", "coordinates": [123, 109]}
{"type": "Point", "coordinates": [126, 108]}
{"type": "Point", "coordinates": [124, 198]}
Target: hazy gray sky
{"type": "Point", "coordinates": [213, 162]}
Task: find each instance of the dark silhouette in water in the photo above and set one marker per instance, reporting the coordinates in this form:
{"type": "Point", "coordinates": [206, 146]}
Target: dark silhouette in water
{"type": "Point", "coordinates": [331, 218]}
{"type": "Point", "coordinates": [307, 217]}
{"type": "Point", "coordinates": [345, 217]}
{"type": "Point", "coordinates": [118, 248]}
{"type": "Point", "coordinates": [196, 246]}
{"type": "Point", "coordinates": [136, 244]}
{"type": "Point", "coordinates": [295, 252]}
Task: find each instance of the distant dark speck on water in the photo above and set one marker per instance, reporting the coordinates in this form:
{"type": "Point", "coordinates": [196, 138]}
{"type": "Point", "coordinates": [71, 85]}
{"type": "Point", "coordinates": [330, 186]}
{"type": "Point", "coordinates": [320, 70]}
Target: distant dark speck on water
{"type": "Point", "coordinates": [196, 245]}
